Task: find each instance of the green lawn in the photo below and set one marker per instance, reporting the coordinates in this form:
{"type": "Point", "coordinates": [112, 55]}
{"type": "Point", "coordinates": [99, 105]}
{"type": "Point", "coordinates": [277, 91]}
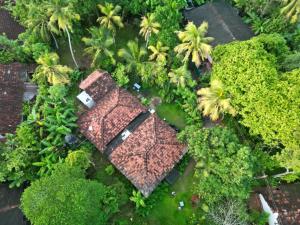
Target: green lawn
{"type": "Point", "coordinates": [173, 114]}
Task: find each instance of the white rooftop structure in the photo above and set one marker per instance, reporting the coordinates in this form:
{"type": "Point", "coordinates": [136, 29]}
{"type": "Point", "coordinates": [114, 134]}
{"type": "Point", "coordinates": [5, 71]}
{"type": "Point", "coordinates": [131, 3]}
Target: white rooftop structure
{"type": "Point", "coordinates": [152, 111]}
{"type": "Point", "coordinates": [272, 215]}
{"type": "Point", "coordinates": [86, 99]}
{"type": "Point", "coordinates": [125, 134]}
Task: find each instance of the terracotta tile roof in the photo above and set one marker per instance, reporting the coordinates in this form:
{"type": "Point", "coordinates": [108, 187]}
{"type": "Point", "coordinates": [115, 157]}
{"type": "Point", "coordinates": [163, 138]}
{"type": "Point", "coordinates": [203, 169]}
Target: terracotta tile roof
{"type": "Point", "coordinates": [285, 200]}
{"type": "Point", "coordinates": [98, 84]}
{"type": "Point", "coordinates": [8, 25]}
{"type": "Point", "coordinates": [109, 117]}
{"type": "Point", "coordinates": [148, 154]}
{"type": "Point", "coordinates": [11, 96]}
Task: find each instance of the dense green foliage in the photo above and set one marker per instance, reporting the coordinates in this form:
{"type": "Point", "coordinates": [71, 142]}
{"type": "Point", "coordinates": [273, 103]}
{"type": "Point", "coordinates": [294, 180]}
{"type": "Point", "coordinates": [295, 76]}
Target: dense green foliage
{"type": "Point", "coordinates": [266, 99]}
{"type": "Point", "coordinates": [224, 165]}
{"type": "Point", "coordinates": [67, 198]}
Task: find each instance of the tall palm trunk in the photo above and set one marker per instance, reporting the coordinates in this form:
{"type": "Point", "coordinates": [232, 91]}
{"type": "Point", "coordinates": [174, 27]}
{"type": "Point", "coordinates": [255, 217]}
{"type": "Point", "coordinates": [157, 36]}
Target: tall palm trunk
{"type": "Point", "coordinates": [71, 49]}
{"type": "Point", "coordinates": [147, 38]}
{"type": "Point", "coordinates": [55, 41]}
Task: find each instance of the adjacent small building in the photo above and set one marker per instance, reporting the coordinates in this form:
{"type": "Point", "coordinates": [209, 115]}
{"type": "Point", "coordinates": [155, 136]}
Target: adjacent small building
{"type": "Point", "coordinates": [281, 203]}
{"type": "Point", "coordinates": [13, 91]}
{"type": "Point", "coordinates": [224, 23]}
{"type": "Point", "coordinates": [139, 144]}
{"type": "Point", "coordinates": [8, 25]}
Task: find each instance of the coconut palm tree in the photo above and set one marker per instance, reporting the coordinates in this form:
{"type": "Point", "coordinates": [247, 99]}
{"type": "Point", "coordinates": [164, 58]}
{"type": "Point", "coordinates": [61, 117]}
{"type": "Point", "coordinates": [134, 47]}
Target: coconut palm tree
{"type": "Point", "coordinates": [291, 10]}
{"type": "Point", "coordinates": [99, 45]}
{"type": "Point", "coordinates": [149, 26]}
{"type": "Point", "coordinates": [214, 102]}
{"type": "Point", "coordinates": [159, 52]}
{"type": "Point", "coordinates": [194, 43]}
{"type": "Point", "coordinates": [110, 18]}
{"type": "Point", "coordinates": [181, 76]}
{"type": "Point", "coordinates": [50, 70]}
{"type": "Point", "coordinates": [133, 55]}
{"type": "Point", "coordinates": [62, 15]}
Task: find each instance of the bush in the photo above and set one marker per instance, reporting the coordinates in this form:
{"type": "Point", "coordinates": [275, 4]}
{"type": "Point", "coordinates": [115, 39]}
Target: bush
{"type": "Point", "coordinates": [67, 198]}
{"type": "Point", "coordinates": [110, 170]}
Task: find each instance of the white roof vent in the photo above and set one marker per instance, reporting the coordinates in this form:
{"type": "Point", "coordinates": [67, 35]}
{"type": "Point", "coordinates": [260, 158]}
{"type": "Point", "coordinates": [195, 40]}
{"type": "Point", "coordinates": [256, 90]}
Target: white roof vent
{"type": "Point", "coordinates": [86, 99]}
{"type": "Point", "coordinates": [125, 134]}
{"type": "Point", "coordinates": [90, 128]}
{"type": "Point", "coordinates": [151, 111]}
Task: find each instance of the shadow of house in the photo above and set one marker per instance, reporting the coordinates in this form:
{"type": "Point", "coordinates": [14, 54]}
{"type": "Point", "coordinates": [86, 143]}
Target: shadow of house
{"type": "Point", "coordinates": [224, 23]}
{"type": "Point", "coordinates": [13, 91]}
{"type": "Point", "coordinates": [8, 25]}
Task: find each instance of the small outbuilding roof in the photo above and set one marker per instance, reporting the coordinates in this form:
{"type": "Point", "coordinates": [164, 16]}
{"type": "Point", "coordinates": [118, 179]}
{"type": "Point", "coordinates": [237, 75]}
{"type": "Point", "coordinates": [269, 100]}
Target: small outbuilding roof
{"type": "Point", "coordinates": [224, 23]}
{"type": "Point", "coordinates": [8, 25]}
{"type": "Point", "coordinates": [109, 117]}
{"type": "Point", "coordinates": [148, 154]}
{"type": "Point", "coordinates": [11, 96]}
{"type": "Point", "coordinates": [285, 200]}
{"type": "Point", "coordinates": [98, 84]}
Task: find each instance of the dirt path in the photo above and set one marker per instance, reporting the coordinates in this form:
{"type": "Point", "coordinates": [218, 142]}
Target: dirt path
{"type": "Point", "coordinates": [7, 208]}
{"type": "Point", "coordinates": [190, 167]}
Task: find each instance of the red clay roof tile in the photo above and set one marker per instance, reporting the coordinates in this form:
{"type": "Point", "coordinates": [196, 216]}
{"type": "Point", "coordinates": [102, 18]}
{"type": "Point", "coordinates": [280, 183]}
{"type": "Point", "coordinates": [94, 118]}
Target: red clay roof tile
{"type": "Point", "coordinates": [11, 96]}
{"type": "Point", "coordinates": [148, 154]}
{"type": "Point", "coordinates": [109, 117]}
{"type": "Point", "coordinates": [8, 25]}
{"type": "Point", "coordinates": [98, 84]}
{"type": "Point", "coordinates": [285, 200]}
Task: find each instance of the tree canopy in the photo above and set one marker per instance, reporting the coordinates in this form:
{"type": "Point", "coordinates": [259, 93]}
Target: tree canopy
{"type": "Point", "coordinates": [67, 198]}
{"type": "Point", "coordinates": [266, 99]}
{"type": "Point", "coordinates": [224, 166]}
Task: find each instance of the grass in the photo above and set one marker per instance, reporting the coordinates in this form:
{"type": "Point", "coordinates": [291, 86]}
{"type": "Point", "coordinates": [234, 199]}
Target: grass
{"type": "Point", "coordinates": [165, 211]}
{"type": "Point", "coordinates": [173, 114]}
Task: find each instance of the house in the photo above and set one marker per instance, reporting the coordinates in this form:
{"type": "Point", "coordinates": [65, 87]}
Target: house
{"type": "Point", "coordinates": [224, 23]}
{"type": "Point", "coordinates": [140, 145]}
{"type": "Point", "coordinates": [148, 154]}
{"type": "Point", "coordinates": [13, 90]}
{"type": "Point", "coordinates": [8, 25]}
{"type": "Point", "coordinates": [281, 203]}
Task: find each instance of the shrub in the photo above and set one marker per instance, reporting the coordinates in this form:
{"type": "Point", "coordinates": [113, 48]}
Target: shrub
{"type": "Point", "coordinates": [67, 198]}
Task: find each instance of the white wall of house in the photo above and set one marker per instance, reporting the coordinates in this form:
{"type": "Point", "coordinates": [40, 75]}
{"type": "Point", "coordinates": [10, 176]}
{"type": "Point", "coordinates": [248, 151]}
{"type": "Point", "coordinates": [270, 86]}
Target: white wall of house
{"type": "Point", "coordinates": [272, 215]}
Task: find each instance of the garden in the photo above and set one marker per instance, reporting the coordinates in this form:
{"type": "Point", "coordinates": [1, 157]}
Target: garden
{"type": "Point", "coordinates": [251, 96]}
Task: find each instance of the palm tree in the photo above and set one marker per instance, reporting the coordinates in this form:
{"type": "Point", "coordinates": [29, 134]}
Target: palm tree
{"type": "Point", "coordinates": [50, 69]}
{"type": "Point", "coordinates": [133, 55]}
{"type": "Point", "coordinates": [99, 45]}
{"type": "Point", "coordinates": [62, 15]}
{"type": "Point", "coordinates": [138, 199]}
{"type": "Point", "coordinates": [159, 52]}
{"type": "Point", "coordinates": [110, 18]}
{"type": "Point", "coordinates": [291, 10]}
{"type": "Point", "coordinates": [213, 101]}
{"type": "Point", "coordinates": [194, 43]}
{"type": "Point", "coordinates": [149, 26]}
{"type": "Point", "coordinates": [37, 22]}
{"type": "Point", "coordinates": [180, 76]}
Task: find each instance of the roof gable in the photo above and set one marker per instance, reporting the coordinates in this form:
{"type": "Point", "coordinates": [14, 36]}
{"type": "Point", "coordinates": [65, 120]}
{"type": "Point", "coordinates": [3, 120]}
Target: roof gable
{"type": "Point", "coordinates": [98, 84]}
{"type": "Point", "coordinates": [109, 117]}
{"type": "Point", "coordinates": [148, 154]}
